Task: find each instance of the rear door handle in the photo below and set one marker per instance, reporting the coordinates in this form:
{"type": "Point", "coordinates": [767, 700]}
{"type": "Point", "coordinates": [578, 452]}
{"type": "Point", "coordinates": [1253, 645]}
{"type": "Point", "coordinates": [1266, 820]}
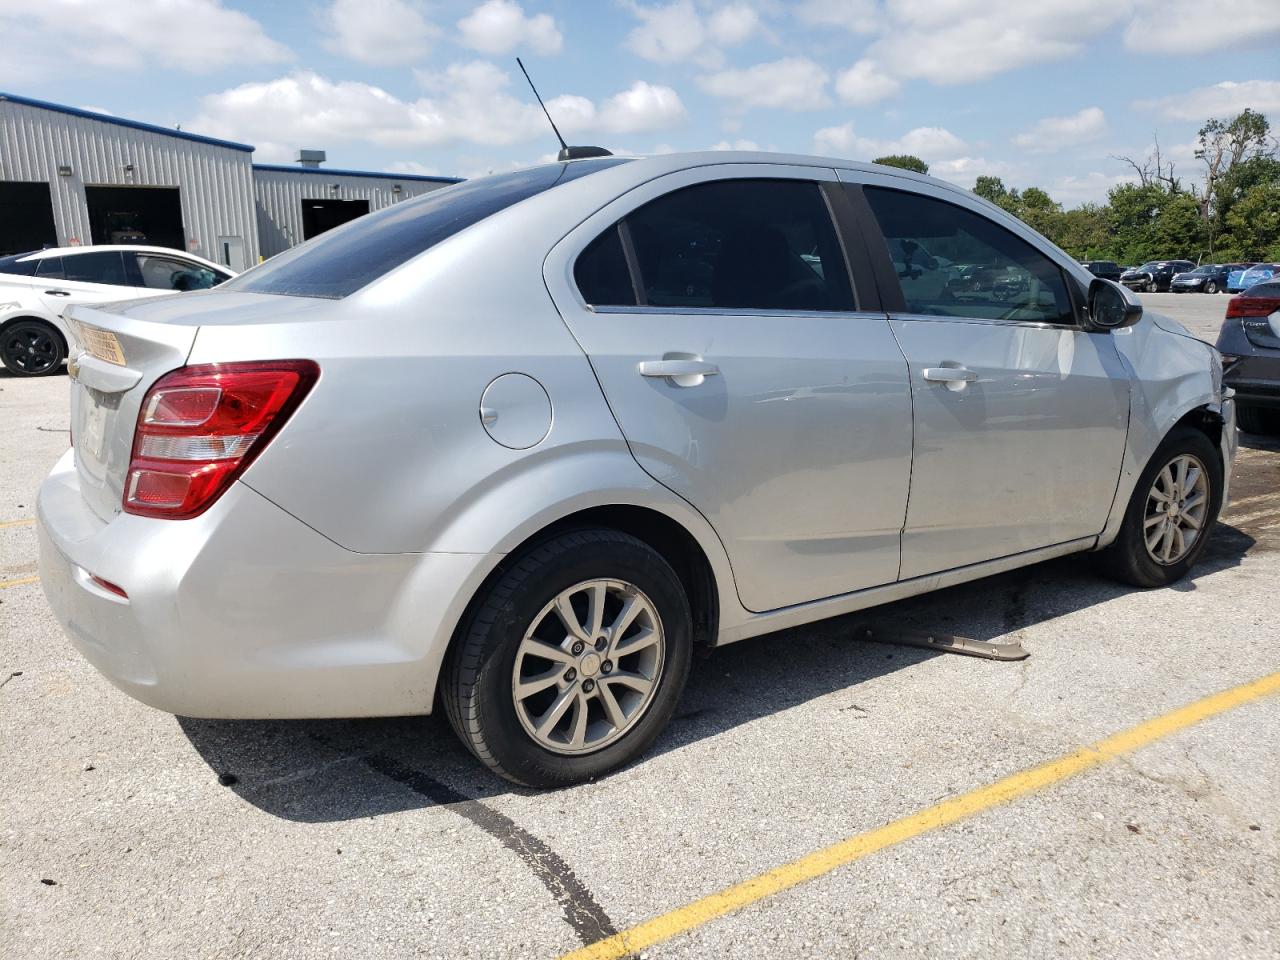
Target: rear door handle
{"type": "Point", "coordinates": [680, 373]}
{"type": "Point", "coordinates": [955, 378]}
{"type": "Point", "coordinates": [677, 368]}
{"type": "Point", "coordinates": [58, 293]}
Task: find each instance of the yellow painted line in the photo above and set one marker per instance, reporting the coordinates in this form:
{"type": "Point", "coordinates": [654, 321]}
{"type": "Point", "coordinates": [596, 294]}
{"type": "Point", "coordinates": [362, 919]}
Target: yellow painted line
{"type": "Point", "coordinates": [17, 583]}
{"type": "Point", "coordinates": [16, 523]}
{"type": "Point", "coordinates": [686, 918]}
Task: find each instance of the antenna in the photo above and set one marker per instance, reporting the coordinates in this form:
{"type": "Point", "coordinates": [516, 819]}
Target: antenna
{"type": "Point", "coordinates": [566, 152]}
{"type": "Point", "coordinates": [563, 146]}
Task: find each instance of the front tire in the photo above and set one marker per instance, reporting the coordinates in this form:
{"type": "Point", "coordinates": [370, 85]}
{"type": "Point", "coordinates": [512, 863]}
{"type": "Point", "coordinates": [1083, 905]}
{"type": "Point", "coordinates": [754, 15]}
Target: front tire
{"type": "Point", "coordinates": [573, 662]}
{"type": "Point", "coordinates": [1211, 287]}
{"type": "Point", "coordinates": [1170, 515]}
{"type": "Point", "coordinates": [32, 348]}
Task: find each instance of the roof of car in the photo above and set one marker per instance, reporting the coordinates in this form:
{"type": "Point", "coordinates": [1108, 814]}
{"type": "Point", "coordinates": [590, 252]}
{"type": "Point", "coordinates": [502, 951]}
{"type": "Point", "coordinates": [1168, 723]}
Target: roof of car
{"type": "Point", "coordinates": [107, 247]}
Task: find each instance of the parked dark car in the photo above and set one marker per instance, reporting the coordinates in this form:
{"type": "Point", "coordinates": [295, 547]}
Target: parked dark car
{"type": "Point", "coordinates": [1206, 278]}
{"type": "Point", "coordinates": [1106, 269]}
{"type": "Point", "coordinates": [1250, 347]}
{"type": "Point", "coordinates": [1154, 275]}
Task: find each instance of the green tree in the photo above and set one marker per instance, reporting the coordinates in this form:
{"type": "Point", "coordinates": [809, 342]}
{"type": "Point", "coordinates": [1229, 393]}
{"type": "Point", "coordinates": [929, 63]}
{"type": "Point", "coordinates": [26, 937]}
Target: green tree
{"type": "Point", "coordinates": [1236, 154]}
{"type": "Point", "coordinates": [904, 161]}
{"type": "Point", "coordinates": [1253, 224]}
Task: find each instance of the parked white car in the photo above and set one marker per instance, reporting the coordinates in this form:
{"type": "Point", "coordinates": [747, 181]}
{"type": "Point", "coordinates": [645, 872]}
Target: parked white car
{"type": "Point", "coordinates": [37, 288]}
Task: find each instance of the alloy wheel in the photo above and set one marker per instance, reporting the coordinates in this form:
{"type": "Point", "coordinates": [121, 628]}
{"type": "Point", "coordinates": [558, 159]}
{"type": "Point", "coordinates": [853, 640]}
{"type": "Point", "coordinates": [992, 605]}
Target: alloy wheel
{"type": "Point", "coordinates": [29, 348]}
{"type": "Point", "coordinates": [1177, 505]}
{"type": "Point", "coordinates": [588, 666]}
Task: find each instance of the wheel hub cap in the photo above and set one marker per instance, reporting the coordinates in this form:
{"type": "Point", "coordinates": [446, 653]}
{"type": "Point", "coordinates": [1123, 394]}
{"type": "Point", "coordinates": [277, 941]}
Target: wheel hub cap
{"type": "Point", "coordinates": [1177, 506]}
{"type": "Point", "coordinates": [574, 703]}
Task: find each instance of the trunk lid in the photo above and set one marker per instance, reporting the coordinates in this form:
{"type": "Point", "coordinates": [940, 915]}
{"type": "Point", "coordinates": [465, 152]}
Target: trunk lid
{"type": "Point", "coordinates": [116, 359]}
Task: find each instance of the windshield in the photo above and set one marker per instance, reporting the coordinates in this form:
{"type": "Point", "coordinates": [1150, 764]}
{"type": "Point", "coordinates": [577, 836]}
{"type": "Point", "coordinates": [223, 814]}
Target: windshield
{"type": "Point", "coordinates": [1205, 270]}
{"type": "Point", "coordinates": [1148, 267]}
{"type": "Point", "coordinates": [13, 265]}
{"type": "Point", "coordinates": [340, 262]}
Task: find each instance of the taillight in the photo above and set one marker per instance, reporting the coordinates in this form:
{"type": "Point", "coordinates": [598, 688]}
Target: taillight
{"type": "Point", "coordinates": [200, 427]}
{"type": "Point", "coordinates": [1252, 306]}
{"type": "Point", "coordinates": [1259, 318]}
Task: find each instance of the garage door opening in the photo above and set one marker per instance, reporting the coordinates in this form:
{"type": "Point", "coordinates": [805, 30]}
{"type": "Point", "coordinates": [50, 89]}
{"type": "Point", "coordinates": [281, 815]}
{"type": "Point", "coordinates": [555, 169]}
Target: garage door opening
{"type": "Point", "coordinates": [321, 215]}
{"type": "Point", "coordinates": [151, 215]}
{"type": "Point", "coordinates": [26, 217]}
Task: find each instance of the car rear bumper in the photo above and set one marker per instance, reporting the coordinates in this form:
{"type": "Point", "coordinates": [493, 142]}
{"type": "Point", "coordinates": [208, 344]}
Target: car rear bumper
{"type": "Point", "coordinates": [1256, 380]}
{"type": "Point", "coordinates": [245, 612]}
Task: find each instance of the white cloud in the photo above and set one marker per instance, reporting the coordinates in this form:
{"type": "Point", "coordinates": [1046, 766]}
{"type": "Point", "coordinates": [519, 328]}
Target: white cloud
{"type": "Point", "coordinates": [736, 145]}
{"type": "Point", "coordinates": [675, 32]}
{"type": "Point", "coordinates": [196, 36]}
{"type": "Point", "coordinates": [500, 26]}
{"type": "Point", "coordinates": [378, 32]}
{"type": "Point", "coordinates": [864, 83]}
{"type": "Point", "coordinates": [466, 102]}
{"type": "Point", "coordinates": [964, 171]}
{"type": "Point", "coordinates": [858, 16]}
{"type": "Point", "coordinates": [931, 144]}
{"type": "Point", "coordinates": [733, 24]}
{"type": "Point", "coordinates": [641, 109]}
{"type": "Point", "coordinates": [414, 167]}
{"type": "Point", "coordinates": [961, 41]}
{"type": "Point", "coordinates": [1201, 26]}
{"type": "Point", "coordinates": [793, 83]}
{"type": "Point", "coordinates": [1220, 100]}
{"type": "Point", "coordinates": [1055, 133]}
{"type": "Point", "coordinates": [1092, 187]}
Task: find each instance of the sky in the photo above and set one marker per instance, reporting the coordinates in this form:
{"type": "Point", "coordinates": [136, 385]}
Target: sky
{"type": "Point", "coordinates": [1039, 92]}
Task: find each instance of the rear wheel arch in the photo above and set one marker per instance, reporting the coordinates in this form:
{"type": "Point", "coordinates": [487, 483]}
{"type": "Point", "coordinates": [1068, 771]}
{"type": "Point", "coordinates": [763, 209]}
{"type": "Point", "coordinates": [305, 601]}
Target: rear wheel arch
{"type": "Point", "coordinates": [668, 537]}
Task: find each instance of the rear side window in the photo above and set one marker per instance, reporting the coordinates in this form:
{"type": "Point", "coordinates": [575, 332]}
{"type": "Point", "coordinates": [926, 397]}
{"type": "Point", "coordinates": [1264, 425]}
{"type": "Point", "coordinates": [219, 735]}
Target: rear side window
{"type": "Point", "coordinates": [740, 244]}
{"type": "Point", "coordinates": [105, 266]}
{"type": "Point", "coordinates": [341, 261]}
{"type": "Point", "coordinates": [952, 262]}
{"type": "Point", "coordinates": [601, 271]}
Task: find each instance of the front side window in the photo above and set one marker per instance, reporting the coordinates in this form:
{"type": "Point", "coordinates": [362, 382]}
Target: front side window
{"type": "Point", "coordinates": [952, 262]}
{"type": "Point", "coordinates": [106, 266]}
{"type": "Point", "coordinates": [727, 245]}
{"type": "Point", "coordinates": [169, 273]}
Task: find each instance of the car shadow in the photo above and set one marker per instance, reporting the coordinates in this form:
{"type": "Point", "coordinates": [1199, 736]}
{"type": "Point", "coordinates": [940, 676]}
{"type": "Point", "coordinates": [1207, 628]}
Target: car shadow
{"type": "Point", "coordinates": [335, 770]}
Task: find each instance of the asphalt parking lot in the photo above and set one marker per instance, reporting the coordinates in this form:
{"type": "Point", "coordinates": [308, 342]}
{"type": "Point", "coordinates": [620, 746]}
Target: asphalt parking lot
{"type": "Point", "coordinates": [125, 832]}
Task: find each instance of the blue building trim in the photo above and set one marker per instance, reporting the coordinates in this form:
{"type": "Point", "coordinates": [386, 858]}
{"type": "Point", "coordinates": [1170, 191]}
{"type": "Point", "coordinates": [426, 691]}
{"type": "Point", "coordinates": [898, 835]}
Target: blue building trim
{"type": "Point", "coordinates": [121, 122]}
{"type": "Point", "coordinates": [330, 172]}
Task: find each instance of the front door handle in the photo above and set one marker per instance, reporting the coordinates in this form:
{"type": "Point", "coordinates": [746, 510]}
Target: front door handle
{"type": "Point", "coordinates": [955, 378]}
{"type": "Point", "coordinates": [58, 293]}
{"type": "Point", "coordinates": [682, 373]}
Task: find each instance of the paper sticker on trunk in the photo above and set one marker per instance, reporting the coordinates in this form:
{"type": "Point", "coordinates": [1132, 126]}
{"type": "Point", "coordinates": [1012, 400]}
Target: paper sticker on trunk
{"type": "Point", "coordinates": [102, 344]}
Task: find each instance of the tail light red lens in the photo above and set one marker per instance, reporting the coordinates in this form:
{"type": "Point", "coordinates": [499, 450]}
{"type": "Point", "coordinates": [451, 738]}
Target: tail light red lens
{"type": "Point", "coordinates": [200, 427]}
{"type": "Point", "coordinates": [1252, 306]}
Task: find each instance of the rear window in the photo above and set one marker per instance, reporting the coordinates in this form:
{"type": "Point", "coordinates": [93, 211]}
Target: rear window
{"type": "Point", "coordinates": [343, 260]}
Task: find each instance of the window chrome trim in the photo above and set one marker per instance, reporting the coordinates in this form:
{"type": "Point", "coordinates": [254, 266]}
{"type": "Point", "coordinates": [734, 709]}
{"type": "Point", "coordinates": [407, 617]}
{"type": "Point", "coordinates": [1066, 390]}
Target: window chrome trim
{"type": "Point", "coordinates": [737, 312]}
{"type": "Point", "coordinates": [990, 321]}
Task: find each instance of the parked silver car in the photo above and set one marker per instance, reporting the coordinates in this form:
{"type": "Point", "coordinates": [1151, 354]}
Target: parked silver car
{"type": "Point", "coordinates": [517, 446]}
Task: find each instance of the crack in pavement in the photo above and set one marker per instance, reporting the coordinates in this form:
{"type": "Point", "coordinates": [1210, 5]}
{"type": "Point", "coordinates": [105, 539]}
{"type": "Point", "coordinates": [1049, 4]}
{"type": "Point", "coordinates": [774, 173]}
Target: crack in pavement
{"type": "Point", "coordinates": [581, 911]}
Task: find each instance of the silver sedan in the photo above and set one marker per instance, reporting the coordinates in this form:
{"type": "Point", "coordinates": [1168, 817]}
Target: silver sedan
{"type": "Point", "coordinates": [516, 447]}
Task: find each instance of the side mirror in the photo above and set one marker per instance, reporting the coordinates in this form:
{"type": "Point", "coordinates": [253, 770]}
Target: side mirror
{"type": "Point", "coordinates": [1111, 307]}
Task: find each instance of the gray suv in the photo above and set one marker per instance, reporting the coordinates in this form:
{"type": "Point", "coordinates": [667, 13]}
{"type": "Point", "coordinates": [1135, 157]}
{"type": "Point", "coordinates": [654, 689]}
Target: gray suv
{"type": "Point", "coordinates": [515, 448]}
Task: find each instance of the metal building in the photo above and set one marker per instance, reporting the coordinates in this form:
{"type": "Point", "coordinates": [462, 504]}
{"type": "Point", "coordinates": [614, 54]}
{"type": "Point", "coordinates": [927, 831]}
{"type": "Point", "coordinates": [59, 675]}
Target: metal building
{"type": "Point", "coordinates": [296, 203]}
{"type": "Point", "coordinates": [71, 176]}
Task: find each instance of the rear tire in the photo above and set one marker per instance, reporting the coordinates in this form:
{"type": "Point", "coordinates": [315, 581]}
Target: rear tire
{"type": "Point", "coordinates": [32, 348]}
{"type": "Point", "coordinates": [1261, 420]}
{"type": "Point", "coordinates": [1131, 558]}
{"type": "Point", "coordinates": [516, 660]}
